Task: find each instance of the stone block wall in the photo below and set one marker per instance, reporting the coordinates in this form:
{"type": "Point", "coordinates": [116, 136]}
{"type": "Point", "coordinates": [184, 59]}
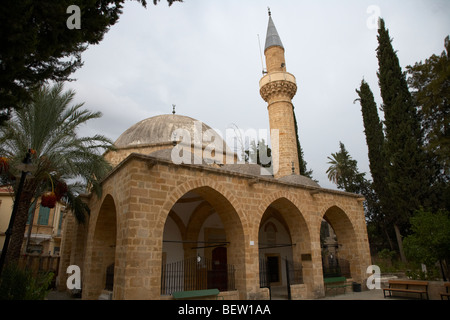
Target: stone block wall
{"type": "Point", "coordinates": [144, 190]}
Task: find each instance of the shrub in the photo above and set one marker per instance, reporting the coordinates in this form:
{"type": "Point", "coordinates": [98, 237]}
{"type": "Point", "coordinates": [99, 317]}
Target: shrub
{"type": "Point", "coordinates": [429, 242]}
{"type": "Point", "coordinates": [20, 284]}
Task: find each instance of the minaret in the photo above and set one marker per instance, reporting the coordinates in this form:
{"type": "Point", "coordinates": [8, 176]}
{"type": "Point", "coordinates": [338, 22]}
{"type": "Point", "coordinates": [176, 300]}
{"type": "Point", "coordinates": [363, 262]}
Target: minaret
{"type": "Point", "coordinates": [277, 88]}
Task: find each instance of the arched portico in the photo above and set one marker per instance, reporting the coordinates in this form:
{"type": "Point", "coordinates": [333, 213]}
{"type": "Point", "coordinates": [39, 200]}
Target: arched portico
{"type": "Point", "coordinates": [101, 253]}
{"type": "Point", "coordinates": [284, 249]}
{"type": "Point", "coordinates": [350, 245]}
{"type": "Point", "coordinates": [346, 246]}
{"type": "Point", "coordinates": [203, 226]}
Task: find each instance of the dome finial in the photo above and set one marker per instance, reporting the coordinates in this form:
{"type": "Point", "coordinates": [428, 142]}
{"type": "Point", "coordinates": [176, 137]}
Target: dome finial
{"type": "Point", "coordinates": [270, 13]}
{"type": "Point", "coordinates": [173, 110]}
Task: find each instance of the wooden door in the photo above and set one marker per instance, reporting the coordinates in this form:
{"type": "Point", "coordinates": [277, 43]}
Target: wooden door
{"type": "Point", "coordinates": [219, 269]}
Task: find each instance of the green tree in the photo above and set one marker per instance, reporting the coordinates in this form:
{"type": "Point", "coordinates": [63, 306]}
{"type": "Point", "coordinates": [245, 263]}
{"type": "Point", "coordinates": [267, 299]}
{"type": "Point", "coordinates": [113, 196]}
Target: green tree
{"type": "Point", "coordinates": [430, 241]}
{"type": "Point", "coordinates": [379, 199]}
{"type": "Point", "coordinates": [343, 171]}
{"type": "Point", "coordinates": [253, 154]}
{"type": "Point", "coordinates": [430, 85]}
{"type": "Point", "coordinates": [301, 157]}
{"type": "Point", "coordinates": [408, 179]}
{"type": "Point", "coordinates": [37, 46]}
{"type": "Point", "coordinates": [60, 157]}
{"type": "Point", "coordinates": [373, 129]}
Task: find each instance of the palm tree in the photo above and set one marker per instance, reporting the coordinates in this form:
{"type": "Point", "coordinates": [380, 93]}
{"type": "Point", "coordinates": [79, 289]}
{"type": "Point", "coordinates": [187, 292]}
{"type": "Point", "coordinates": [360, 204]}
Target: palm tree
{"type": "Point", "coordinates": [338, 162]}
{"type": "Point", "coordinates": [63, 162]}
{"type": "Point", "coordinates": [343, 171]}
{"type": "Point", "coordinates": [334, 171]}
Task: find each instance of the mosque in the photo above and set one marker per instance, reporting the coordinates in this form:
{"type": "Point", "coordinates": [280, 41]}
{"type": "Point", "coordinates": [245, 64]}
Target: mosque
{"type": "Point", "coordinates": [179, 213]}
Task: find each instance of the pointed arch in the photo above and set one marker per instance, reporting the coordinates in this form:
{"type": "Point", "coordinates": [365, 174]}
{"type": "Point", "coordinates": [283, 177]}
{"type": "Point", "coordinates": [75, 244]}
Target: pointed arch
{"type": "Point", "coordinates": [347, 242]}
{"type": "Point", "coordinates": [292, 243]}
{"type": "Point", "coordinates": [220, 200]}
{"type": "Point", "coordinates": [340, 222]}
{"type": "Point", "coordinates": [207, 189]}
{"type": "Point", "coordinates": [291, 210]}
{"type": "Point", "coordinates": [102, 252]}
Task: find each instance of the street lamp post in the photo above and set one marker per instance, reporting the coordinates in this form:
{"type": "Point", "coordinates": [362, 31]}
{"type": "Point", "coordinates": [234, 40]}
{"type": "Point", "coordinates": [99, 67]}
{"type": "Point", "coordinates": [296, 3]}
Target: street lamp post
{"type": "Point", "coordinates": [8, 232]}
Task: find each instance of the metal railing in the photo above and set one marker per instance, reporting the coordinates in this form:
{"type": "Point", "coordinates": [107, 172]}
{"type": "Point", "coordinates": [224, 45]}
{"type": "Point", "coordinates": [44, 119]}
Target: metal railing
{"type": "Point", "coordinates": [189, 274]}
{"type": "Point", "coordinates": [109, 283]}
{"type": "Point", "coordinates": [294, 272]}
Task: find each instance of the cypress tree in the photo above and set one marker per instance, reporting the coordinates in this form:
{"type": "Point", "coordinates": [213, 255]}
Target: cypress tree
{"type": "Point", "coordinates": [373, 129]}
{"type": "Point", "coordinates": [407, 177]}
{"type": "Point", "coordinates": [301, 161]}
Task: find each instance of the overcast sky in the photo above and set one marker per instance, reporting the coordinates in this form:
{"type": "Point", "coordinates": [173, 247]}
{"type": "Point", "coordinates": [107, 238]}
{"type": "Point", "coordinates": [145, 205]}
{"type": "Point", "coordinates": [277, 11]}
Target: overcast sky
{"type": "Point", "coordinates": [203, 56]}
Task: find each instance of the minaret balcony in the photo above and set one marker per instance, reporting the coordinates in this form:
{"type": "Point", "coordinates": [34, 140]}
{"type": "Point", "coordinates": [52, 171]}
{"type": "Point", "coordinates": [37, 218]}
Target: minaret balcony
{"type": "Point", "coordinates": [276, 83]}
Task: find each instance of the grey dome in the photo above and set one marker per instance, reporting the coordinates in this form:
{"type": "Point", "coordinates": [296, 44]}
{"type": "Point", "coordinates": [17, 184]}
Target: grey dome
{"type": "Point", "coordinates": [248, 168]}
{"type": "Point", "coordinates": [299, 179]}
{"type": "Point", "coordinates": [166, 154]}
{"type": "Point", "coordinates": [160, 129]}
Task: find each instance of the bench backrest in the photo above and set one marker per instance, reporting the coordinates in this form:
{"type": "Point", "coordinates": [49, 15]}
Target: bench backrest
{"type": "Point", "coordinates": [409, 282]}
{"type": "Point", "coordinates": [195, 293]}
{"type": "Point", "coordinates": [334, 279]}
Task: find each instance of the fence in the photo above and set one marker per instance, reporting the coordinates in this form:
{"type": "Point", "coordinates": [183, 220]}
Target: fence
{"type": "Point", "coordinates": [264, 278]}
{"type": "Point", "coordinates": [294, 272]}
{"type": "Point", "coordinates": [40, 263]}
{"type": "Point", "coordinates": [190, 274]}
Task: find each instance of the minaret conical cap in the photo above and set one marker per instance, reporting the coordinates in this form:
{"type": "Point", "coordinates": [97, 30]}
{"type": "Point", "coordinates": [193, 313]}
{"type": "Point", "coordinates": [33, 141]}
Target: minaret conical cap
{"type": "Point", "coordinates": [272, 37]}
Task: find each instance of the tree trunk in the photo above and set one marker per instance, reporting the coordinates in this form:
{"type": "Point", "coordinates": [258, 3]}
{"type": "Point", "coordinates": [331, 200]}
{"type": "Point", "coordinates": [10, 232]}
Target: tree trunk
{"type": "Point", "coordinates": [389, 239]}
{"type": "Point", "coordinates": [400, 243]}
{"type": "Point", "coordinates": [443, 272]}
{"type": "Point", "coordinates": [20, 222]}
{"type": "Point", "coordinates": [447, 267]}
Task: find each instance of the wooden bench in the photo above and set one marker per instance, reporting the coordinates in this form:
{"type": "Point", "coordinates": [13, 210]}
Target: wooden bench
{"type": "Point", "coordinates": [336, 283]}
{"type": "Point", "coordinates": [446, 293]}
{"type": "Point", "coordinates": [405, 286]}
{"type": "Point", "coordinates": [196, 294]}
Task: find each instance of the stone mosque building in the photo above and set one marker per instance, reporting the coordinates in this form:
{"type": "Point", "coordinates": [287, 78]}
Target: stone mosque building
{"type": "Point", "coordinates": [209, 222]}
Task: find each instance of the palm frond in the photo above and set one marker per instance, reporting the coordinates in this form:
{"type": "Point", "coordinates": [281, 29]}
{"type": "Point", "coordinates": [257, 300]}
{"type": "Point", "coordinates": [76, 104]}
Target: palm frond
{"type": "Point", "coordinates": [49, 125]}
{"type": "Point", "coordinates": [79, 208]}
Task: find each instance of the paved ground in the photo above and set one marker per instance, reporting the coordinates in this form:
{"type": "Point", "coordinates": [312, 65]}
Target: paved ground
{"type": "Point", "coordinates": [280, 293]}
{"type": "Point", "coordinates": [57, 295]}
{"type": "Point", "coordinates": [365, 295]}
